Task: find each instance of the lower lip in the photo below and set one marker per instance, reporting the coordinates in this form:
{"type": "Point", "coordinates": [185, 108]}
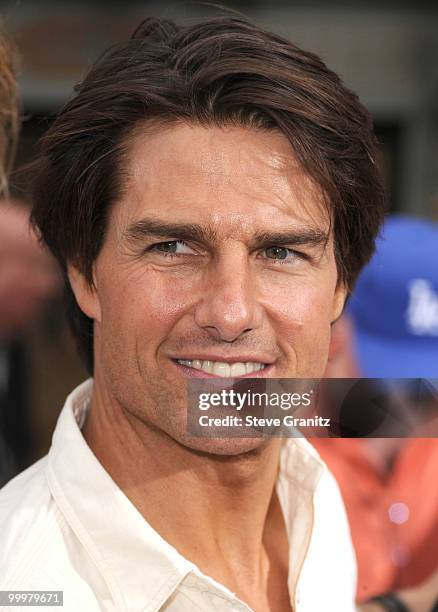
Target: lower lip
{"type": "Point", "coordinates": [265, 372]}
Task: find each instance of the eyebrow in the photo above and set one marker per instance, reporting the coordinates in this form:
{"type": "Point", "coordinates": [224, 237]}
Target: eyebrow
{"type": "Point", "coordinates": [300, 237]}
{"type": "Point", "coordinates": [140, 230]}
{"type": "Point", "coordinates": [153, 228]}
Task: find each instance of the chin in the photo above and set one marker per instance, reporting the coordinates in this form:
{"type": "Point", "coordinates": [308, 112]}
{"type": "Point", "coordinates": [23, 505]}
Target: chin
{"type": "Point", "coordinates": [224, 447]}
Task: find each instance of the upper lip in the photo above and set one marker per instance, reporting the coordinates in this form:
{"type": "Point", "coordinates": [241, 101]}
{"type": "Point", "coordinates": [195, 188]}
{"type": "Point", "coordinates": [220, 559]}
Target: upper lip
{"type": "Point", "coordinates": [227, 359]}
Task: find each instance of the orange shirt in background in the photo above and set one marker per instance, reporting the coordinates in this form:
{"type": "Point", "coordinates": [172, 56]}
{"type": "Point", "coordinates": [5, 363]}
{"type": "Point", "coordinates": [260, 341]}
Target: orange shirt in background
{"type": "Point", "coordinates": [394, 516]}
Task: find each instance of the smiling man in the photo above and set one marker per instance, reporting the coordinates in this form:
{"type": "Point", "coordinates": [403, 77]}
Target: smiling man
{"type": "Point", "coordinates": [211, 193]}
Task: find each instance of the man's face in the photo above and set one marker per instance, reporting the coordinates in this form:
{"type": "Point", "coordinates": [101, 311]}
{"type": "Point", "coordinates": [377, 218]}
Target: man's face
{"type": "Point", "coordinates": [218, 261]}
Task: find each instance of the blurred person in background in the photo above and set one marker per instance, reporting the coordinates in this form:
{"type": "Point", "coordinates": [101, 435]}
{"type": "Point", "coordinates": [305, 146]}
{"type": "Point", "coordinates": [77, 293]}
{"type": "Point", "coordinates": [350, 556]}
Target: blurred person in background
{"type": "Point", "coordinates": [8, 137]}
{"type": "Point", "coordinates": [389, 485]}
{"type": "Point", "coordinates": [9, 117]}
{"type": "Point", "coordinates": [28, 277]}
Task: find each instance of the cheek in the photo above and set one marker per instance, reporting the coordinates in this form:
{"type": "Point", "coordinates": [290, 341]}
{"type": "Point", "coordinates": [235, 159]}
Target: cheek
{"type": "Point", "coordinates": [302, 307]}
{"type": "Point", "coordinates": [143, 306]}
{"type": "Point", "coordinates": [301, 316]}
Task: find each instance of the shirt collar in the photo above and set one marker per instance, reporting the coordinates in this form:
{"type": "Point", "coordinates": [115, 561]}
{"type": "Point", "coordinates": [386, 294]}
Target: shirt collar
{"type": "Point", "coordinates": [110, 527]}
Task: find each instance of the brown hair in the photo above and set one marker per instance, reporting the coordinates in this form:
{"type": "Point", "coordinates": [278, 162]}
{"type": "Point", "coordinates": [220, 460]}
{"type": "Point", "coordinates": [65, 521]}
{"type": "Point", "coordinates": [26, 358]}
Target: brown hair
{"type": "Point", "coordinates": [220, 71]}
{"type": "Point", "coordinates": [9, 121]}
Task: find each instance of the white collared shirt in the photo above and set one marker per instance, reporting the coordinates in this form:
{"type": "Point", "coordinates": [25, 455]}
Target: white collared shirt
{"type": "Point", "coordinates": [66, 526]}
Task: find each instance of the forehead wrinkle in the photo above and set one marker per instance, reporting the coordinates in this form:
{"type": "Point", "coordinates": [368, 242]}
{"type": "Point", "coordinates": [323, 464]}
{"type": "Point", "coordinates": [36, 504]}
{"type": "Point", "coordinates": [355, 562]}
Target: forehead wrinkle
{"type": "Point", "coordinates": [295, 208]}
{"type": "Point", "coordinates": [245, 158]}
{"type": "Point", "coordinates": [274, 180]}
{"type": "Point", "coordinates": [302, 202]}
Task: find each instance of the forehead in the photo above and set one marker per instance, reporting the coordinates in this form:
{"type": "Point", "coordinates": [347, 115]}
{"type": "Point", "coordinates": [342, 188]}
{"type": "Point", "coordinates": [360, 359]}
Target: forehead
{"type": "Point", "coordinates": [231, 178]}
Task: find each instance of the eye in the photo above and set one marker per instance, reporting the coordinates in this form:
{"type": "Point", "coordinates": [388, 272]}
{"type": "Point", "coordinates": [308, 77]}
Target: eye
{"type": "Point", "coordinates": [282, 254]}
{"type": "Point", "coordinates": [172, 247]}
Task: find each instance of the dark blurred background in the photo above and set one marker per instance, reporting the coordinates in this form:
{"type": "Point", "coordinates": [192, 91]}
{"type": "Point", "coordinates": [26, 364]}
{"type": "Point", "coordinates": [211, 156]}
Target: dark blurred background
{"type": "Point", "coordinates": [387, 52]}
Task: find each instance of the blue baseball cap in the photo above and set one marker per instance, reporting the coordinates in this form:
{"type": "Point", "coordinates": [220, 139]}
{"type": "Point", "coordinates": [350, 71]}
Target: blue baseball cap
{"type": "Point", "coordinates": [394, 306]}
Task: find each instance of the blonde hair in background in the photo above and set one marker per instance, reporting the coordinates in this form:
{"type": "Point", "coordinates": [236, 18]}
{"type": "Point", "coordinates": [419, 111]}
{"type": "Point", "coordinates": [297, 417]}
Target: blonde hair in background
{"type": "Point", "coordinates": [9, 114]}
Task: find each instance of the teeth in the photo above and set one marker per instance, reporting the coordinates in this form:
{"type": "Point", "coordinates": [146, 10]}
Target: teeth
{"type": "Point", "coordinates": [207, 366]}
{"type": "Point", "coordinates": [249, 367]}
{"type": "Point", "coordinates": [222, 369]}
{"type": "Point", "coordinates": [186, 362]}
{"type": "Point", "coordinates": [238, 369]}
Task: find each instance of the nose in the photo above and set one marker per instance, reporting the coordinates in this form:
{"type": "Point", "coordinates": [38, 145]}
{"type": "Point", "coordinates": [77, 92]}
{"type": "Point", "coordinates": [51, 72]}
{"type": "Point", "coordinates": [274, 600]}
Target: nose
{"type": "Point", "coordinates": [228, 307]}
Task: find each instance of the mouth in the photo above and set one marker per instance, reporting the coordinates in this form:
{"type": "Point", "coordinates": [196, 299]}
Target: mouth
{"type": "Point", "coordinates": [223, 369]}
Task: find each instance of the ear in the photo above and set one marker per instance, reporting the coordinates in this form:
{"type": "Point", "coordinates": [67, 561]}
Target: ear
{"type": "Point", "coordinates": [86, 295]}
{"type": "Point", "coordinates": [338, 302]}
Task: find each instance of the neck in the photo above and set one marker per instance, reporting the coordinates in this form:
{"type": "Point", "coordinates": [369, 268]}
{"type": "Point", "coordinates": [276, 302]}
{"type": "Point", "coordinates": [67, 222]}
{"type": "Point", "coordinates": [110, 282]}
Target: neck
{"type": "Point", "coordinates": [231, 497]}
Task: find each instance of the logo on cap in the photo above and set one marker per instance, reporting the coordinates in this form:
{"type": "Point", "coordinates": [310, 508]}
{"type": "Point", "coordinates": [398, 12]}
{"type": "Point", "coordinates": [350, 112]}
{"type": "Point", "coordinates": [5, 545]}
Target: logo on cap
{"type": "Point", "coordinates": [422, 311]}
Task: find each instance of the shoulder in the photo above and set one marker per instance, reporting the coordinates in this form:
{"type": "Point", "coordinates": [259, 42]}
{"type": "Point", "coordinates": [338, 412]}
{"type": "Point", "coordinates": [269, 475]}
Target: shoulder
{"type": "Point", "coordinates": [38, 550]}
{"type": "Point", "coordinates": [327, 578]}
{"type": "Point", "coordinates": [24, 502]}
{"type": "Point", "coordinates": [27, 517]}
{"type": "Point", "coordinates": [331, 522]}
{"type": "Point", "coordinates": [332, 545]}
